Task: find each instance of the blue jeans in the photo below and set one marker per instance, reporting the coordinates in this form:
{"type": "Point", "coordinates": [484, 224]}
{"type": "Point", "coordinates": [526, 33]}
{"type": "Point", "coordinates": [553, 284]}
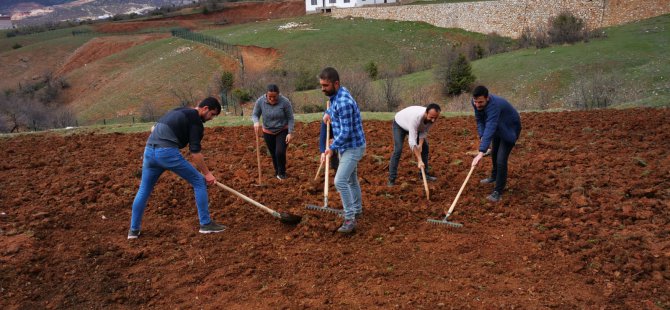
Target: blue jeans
{"type": "Point", "coordinates": [346, 181]}
{"type": "Point", "coordinates": [156, 161]}
{"type": "Point", "coordinates": [399, 135]}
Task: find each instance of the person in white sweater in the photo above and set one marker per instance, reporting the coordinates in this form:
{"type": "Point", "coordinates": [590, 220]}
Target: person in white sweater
{"type": "Point", "coordinates": [414, 121]}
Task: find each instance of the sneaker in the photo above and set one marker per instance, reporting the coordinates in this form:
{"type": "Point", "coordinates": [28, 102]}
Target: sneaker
{"type": "Point", "coordinates": [390, 183]}
{"type": "Point", "coordinates": [281, 176]}
{"type": "Point", "coordinates": [429, 177]}
{"type": "Point", "coordinates": [133, 234]}
{"type": "Point", "coordinates": [487, 181]}
{"type": "Point", "coordinates": [211, 228]}
{"type": "Point", "coordinates": [494, 197]}
{"type": "Point", "coordinates": [347, 227]}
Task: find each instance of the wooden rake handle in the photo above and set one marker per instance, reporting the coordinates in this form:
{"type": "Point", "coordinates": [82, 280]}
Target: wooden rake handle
{"type": "Point", "coordinates": [453, 204]}
{"type": "Point", "coordinates": [325, 184]}
{"type": "Point", "coordinates": [258, 157]}
{"type": "Point", "coordinates": [425, 183]}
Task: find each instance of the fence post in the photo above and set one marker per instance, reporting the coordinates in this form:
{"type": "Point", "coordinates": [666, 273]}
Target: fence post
{"type": "Point", "coordinates": [104, 121]}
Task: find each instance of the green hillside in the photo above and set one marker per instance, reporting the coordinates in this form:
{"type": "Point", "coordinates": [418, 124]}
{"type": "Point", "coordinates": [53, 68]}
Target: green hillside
{"type": "Point", "coordinates": [346, 43]}
{"type": "Point", "coordinates": [632, 61]}
{"type": "Point", "coordinates": [157, 72]}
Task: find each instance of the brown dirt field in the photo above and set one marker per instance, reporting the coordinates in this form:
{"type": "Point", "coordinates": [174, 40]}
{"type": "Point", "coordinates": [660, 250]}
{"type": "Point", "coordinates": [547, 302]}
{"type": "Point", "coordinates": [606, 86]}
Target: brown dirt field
{"type": "Point", "coordinates": [234, 13]}
{"type": "Point", "coordinates": [258, 59]}
{"type": "Point", "coordinates": [99, 48]}
{"type": "Point", "coordinates": [585, 223]}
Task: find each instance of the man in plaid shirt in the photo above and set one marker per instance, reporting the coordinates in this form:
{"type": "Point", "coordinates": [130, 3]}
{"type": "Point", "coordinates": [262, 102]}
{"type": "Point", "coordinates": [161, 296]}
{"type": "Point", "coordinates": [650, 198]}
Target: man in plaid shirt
{"type": "Point", "coordinates": [348, 141]}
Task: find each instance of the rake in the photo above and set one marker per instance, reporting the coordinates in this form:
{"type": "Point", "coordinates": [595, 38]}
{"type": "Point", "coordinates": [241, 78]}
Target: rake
{"type": "Point", "coordinates": [285, 218]}
{"type": "Point", "coordinates": [325, 207]}
{"type": "Point", "coordinates": [445, 220]}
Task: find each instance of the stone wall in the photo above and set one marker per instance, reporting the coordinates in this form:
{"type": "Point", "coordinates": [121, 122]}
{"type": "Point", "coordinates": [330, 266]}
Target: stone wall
{"type": "Point", "coordinates": [510, 17]}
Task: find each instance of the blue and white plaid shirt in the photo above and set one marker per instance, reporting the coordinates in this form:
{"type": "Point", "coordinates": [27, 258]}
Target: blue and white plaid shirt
{"type": "Point", "coordinates": [346, 121]}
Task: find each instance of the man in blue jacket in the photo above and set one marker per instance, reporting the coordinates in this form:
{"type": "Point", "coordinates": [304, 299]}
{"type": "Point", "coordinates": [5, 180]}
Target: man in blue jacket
{"type": "Point", "coordinates": [497, 122]}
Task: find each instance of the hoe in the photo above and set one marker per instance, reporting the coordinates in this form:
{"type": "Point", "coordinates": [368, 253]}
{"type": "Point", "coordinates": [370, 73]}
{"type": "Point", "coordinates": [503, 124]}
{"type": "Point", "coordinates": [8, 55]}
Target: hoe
{"type": "Point", "coordinates": [285, 218]}
{"type": "Point", "coordinates": [445, 220]}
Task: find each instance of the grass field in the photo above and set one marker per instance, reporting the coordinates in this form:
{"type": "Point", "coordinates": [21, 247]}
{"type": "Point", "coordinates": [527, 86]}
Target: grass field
{"type": "Point", "coordinates": [165, 68]}
{"type": "Point", "coordinates": [633, 61]}
{"type": "Point", "coordinates": [346, 43]}
{"type": "Point", "coordinates": [6, 44]}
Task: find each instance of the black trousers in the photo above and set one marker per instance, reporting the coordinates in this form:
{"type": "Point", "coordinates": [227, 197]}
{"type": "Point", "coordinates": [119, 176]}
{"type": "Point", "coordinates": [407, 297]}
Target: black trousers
{"type": "Point", "coordinates": [277, 146]}
{"type": "Point", "coordinates": [500, 152]}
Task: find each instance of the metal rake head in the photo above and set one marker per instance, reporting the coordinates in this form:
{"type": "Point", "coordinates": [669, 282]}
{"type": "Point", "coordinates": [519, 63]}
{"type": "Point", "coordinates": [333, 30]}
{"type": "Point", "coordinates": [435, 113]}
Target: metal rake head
{"type": "Point", "coordinates": [326, 209]}
{"type": "Point", "coordinates": [445, 222]}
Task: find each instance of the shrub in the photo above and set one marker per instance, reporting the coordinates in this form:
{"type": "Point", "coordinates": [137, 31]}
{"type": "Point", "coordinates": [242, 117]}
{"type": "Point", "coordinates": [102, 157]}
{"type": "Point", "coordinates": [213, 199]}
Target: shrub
{"type": "Point", "coordinates": [566, 28]}
{"type": "Point", "coordinates": [372, 70]}
{"type": "Point", "coordinates": [305, 80]}
{"type": "Point", "coordinates": [457, 76]}
{"type": "Point", "coordinates": [312, 108]}
{"type": "Point", "coordinates": [242, 95]}
{"type": "Point", "coordinates": [17, 46]}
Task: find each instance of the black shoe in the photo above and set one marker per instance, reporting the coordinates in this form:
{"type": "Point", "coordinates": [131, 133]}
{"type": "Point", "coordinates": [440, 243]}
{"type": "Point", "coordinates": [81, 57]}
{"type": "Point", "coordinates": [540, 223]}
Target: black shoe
{"type": "Point", "coordinates": [429, 177]}
{"type": "Point", "coordinates": [347, 227]}
{"type": "Point", "coordinates": [390, 183]}
{"type": "Point", "coordinates": [281, 176]}
{"type": "Point", "coordinates": [494, 197]}
{"type": "Point", "coordinates": [487, 181]}
{"type": "Point", "coordinates": [211, 228]}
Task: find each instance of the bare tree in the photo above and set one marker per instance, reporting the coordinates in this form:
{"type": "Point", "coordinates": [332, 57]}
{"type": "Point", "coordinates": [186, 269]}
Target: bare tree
{"type": "Point", "coordinates": [184, 96]}
{"type": "Point", "coordinates": [148, 112]}
{"type": "Point", "coordinates": [391, 92]}
{"type": "Point", "coordinates": [358, 84]}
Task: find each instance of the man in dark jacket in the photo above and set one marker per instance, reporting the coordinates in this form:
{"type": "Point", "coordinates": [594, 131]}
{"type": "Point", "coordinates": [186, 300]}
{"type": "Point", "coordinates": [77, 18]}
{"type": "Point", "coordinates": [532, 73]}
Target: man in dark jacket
{"type": "Point", "coordinates": [173, 131]}
{"type": "Point", "coordinates": [498, 123]}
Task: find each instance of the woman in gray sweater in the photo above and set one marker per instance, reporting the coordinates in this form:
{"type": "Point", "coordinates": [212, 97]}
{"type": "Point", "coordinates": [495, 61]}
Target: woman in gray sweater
{"type": "Point", "coordinates": [277, 126]}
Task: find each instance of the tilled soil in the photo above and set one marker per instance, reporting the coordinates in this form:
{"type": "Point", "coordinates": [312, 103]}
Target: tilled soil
{"type": "Point", "coordinates": [584, 223]}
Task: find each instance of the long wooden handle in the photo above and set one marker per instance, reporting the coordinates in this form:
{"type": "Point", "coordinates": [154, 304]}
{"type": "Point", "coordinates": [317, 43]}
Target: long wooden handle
{"type": "Point", "coordinates": [258, 157]}
{"type": "Point", "coordinates": [453, 204]}
{"type": "Point", "coordinates": [325, 184]}
{"type": "Point", "coordinates": [425, 183]}
{"type": "Point", "coordinates": [249, 200]}
{"type": "Point", "coordinates": [318, 171]}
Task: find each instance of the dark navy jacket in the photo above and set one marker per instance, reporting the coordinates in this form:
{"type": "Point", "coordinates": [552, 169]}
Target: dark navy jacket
{"type": "Point", "coordinates": [498, 119]}
{"type": "Point", "coordinates": [178, 128]}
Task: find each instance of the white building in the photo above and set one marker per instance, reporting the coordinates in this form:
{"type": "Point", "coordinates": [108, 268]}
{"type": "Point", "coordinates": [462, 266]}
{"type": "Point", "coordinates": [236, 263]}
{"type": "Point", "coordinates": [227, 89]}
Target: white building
{"type": "Point", "coordinates": [6, 22]}
{"type": "Point", "coordinates": [318, 6]}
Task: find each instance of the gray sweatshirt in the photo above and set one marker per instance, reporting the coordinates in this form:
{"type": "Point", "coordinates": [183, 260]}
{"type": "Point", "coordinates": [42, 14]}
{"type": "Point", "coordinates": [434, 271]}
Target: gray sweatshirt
{"type": "Point", "coordinates": [275, 117]}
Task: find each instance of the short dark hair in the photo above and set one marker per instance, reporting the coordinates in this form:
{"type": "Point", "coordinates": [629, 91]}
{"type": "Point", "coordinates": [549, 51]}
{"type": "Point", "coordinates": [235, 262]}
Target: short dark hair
{"type": "Point", "coordinates": [433, 106]}
{"type": "Point", "coordinates": [330, 74]}
{"type": "Point", "coordinates": [211, 103]}
{"type": "Point", "coordinates": [480, 91]}
{"type": "Point", "coordinates": [273, 88]}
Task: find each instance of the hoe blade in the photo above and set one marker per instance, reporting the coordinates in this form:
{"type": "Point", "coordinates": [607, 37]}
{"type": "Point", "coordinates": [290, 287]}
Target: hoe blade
{"type": "Point", "coordinates": [290, 219]}
{"type": "Point", "coordinates": [326, 209]}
